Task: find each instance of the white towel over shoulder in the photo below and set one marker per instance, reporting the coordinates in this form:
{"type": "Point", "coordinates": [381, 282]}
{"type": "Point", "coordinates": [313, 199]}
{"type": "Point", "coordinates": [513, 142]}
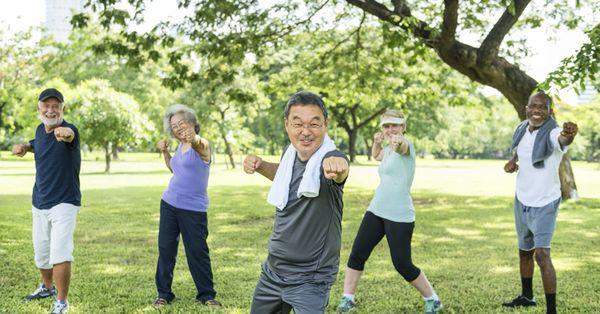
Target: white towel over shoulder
{"type": "Point", "coordinates": [310, 183]}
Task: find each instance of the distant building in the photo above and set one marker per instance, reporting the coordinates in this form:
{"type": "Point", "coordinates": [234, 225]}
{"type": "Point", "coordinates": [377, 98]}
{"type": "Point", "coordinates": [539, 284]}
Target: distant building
{"type": "Point", "coordinates": [590, 93]}
{"type": "Point", "coordinates": [58, 17]}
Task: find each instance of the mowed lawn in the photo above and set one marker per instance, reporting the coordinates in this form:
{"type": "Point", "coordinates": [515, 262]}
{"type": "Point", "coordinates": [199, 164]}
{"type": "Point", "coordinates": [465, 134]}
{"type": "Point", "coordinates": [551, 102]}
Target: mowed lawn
{"type": "Point", "coordinates": [464, 240]}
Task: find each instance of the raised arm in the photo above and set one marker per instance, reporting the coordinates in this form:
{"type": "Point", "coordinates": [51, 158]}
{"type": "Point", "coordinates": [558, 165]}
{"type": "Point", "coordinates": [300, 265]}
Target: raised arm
{"type": "Point", "coordinates": [568, 133]}
{"type": "Point", "coordinates": [399, 144]}
{"type": "Point", "coordinates": [254, 163]}
{"type": "Point", "coordinates": [335, 168]}
{"type": "Point", "coordinates": [199, 144]}
{"type": "Point", "coordinates": [377, 150]}
{"type": "Point", "coordinates": [163, 145]}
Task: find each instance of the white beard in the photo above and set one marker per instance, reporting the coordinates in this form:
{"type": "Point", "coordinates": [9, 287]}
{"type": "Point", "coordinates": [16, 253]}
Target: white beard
{"type": "Point", "coordinates": [51, 123]}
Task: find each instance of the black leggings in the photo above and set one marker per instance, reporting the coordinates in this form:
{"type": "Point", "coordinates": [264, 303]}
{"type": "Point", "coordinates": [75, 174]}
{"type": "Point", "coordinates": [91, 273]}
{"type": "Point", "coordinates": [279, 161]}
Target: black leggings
{"type": "Point", "coordinates": [399, 234]}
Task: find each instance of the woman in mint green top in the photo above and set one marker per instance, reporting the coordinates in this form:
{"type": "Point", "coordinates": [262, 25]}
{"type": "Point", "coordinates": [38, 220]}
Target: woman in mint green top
{"type": "Point", "coordinates": [390, 214]}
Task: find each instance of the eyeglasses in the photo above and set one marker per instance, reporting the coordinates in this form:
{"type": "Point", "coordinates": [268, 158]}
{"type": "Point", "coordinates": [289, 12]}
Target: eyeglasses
{"type": "Point", "coordinates": [310, 126]}
{"type": "Point", "coordinates": [180, 125]}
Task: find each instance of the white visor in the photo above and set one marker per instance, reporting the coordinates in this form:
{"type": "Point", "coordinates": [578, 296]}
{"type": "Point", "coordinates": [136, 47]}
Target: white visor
{"type": "Point", "coordinates": [391, 120]}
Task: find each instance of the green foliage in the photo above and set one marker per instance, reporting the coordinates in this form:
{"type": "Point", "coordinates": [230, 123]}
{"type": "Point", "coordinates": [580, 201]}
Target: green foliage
{"type": "Point", "coordinates": [106, 117]}
{"type": "Point", "coordinates": [587, 143]}
{"type": "Point", "coordinates": [19, 73]}
{"type": "Point", "coordinates": [577, 70]}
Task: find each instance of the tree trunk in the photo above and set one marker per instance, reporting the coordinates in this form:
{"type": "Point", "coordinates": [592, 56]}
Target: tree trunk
{"type": "Point", "coordinates": [482, 64]}
{"type": "Point", "coordinates": [352, 135]}
{"type": "Point", "coordinates": [369, 147]}
{"type": "Point", "coordinates": [228, 149]}
{"type": "Point", "coordinates": [115, 152]}
{"type": "Point", "coordinates": [107, 155]}
{"type": "Point", "coordinates": [568, 188]}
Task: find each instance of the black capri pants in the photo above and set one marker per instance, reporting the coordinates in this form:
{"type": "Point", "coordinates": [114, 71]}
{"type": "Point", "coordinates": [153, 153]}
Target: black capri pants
{"type": "Point", "coordinates": [399, 235]}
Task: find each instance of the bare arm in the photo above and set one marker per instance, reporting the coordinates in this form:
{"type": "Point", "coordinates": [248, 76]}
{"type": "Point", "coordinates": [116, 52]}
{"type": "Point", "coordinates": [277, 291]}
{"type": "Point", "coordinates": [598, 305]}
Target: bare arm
{"type": "Point", "coordinates": [400, 144]}
{"type": "Point", "coordinates": [377, 150]}
{"type": "Point", "coordinates": [167, 158]}
{"type": "Point", "coordinates": [163, 145]}
{"type": "Point", "coordinates": [254, 163]}
{"type": "Point", "coordinates": [202, 146]}
{"type": "Point", "coordinates": [268, 169]}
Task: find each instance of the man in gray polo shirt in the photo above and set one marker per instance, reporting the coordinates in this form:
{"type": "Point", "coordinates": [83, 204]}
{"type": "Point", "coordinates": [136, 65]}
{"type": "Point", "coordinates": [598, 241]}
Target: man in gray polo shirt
{"type": "Point", "coordinates": [304, 248]}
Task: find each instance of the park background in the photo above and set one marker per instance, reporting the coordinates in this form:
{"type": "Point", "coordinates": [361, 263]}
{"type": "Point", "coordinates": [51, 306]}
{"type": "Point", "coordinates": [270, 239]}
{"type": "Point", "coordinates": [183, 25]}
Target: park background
{"type": "Point", "coordinates": [117, 85]}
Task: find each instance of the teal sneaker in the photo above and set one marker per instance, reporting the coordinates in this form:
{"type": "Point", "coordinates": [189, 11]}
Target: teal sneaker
{"type": "Point", "coordinates": [346, 305]}
{"type": "Point", "coordinates": [433, 306]}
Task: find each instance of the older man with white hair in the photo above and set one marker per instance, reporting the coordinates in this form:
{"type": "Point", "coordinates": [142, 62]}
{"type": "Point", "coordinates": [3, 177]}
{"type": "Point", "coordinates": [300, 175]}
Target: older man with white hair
{"type": "Point", "coordinates": [56, 197]}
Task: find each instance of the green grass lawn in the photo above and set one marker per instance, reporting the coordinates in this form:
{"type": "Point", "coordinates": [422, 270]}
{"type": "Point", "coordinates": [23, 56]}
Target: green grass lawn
{"type": "Point", "coordinates": [464, 240]}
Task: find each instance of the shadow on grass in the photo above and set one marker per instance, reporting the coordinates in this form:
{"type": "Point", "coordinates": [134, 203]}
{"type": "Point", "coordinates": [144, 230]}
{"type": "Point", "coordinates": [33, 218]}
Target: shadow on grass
{"type": "Point", "coordinates": [466, 245]}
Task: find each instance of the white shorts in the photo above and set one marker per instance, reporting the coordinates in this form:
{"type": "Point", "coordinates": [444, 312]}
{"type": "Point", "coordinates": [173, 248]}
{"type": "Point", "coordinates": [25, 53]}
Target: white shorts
{"type": "Point", "coordinates": [52, 233]}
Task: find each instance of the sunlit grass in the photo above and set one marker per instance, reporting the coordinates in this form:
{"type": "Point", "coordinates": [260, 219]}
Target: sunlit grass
{"type": "Point", "coordinates": [464, 240]}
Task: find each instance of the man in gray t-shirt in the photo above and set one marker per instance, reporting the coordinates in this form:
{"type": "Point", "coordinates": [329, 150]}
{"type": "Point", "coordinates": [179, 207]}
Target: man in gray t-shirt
{"type": "Point", "coordinates": [304, 248]}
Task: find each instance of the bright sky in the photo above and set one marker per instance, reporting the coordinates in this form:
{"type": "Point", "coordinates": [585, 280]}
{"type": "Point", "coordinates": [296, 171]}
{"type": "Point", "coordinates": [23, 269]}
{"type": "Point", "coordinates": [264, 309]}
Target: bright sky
{"type": "Point", "coordinates": [547, 54]}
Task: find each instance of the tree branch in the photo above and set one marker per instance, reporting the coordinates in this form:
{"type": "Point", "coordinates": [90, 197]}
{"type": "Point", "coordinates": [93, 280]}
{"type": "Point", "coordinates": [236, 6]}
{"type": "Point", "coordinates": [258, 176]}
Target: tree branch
{"type": "Point", "coordinates": [491, 44]}
{"type": "Point", "coordinates": [449, 24]}
{"type": "Point", "coordinates": [371, 117]}
{"type": "Point", "coordinates": [418, 27]}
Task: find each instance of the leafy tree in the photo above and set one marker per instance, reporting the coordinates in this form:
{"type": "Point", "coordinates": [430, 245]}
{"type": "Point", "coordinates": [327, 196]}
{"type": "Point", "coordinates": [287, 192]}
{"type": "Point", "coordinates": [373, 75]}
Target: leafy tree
{"type": "Point", "coordinates": [226, 99]}
{"type": "Point", "coordinates": [19, 73]}
{"type": "Point", "coordinates": [232, 28]}
{"type": "Point", "coordinates": [107, 118]}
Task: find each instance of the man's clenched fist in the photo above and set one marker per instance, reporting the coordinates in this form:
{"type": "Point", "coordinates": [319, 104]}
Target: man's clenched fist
{"type": "Point", "coordinates": [252, 163]}
{"type": "Point", "coordinates": [511, 166]}
{"type": "Point", "coordinates": [335, 168]}
{"type": "Point", "coordinates": [19, 150]}
{"type": "Point", "coordinates": [569, 130]}
{"type": "Point", "coordinates": [63, 134]}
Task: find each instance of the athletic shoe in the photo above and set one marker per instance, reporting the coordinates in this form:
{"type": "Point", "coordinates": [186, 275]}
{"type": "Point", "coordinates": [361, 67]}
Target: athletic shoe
{"type": "Point", "coordinates": [346, 305]}
{"type": "Point", "coordinates": [60, 307]}
{"type": "Point", "coordinates": [433, 306]}
{"type": "Point", "coordinates": [520, 301]}
{"type": "Point", "coordinates": [210, 303]}
{"type": "Point", "coordinates": [40, 293]}
{"type": "Point", "coordinates": [160, 302]}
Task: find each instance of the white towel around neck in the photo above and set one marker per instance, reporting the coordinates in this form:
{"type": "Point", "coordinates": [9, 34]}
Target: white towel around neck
{"type": "Point", "coordinates": [310, 183]}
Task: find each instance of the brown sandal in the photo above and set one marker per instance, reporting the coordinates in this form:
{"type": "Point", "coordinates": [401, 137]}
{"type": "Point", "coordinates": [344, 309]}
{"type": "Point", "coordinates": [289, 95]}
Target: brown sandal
{"type": "Point", "coordinates": [212, 303]}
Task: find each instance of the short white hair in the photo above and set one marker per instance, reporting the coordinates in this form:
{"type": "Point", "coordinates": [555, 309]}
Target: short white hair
{"type": "Point", "coordinates": [62, 104]}
{"type": "Point", "coordinates": [188, 114]}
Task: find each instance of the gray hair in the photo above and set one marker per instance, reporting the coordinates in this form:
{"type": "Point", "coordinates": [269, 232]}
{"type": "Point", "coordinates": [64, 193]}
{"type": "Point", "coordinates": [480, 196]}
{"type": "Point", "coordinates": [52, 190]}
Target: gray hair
{"type": "Point", "coordinates": [188, 114]}
{"type": "Point", "coordinates": [304, 98]}
{"type": "Point", "coordinates": [543, 95]}
{"type": "Point", "coordinates": [62, 104]}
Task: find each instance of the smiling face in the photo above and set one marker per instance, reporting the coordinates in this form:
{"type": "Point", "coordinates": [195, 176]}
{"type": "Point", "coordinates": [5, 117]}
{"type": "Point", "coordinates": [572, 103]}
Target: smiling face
{"type": "Point", "coordinates": [537, 111]}
{"type": "Point", "coordinates": [390, 129]}
{"type": "Point", "coordinates": [179, 125]}
{"type": "Point", "coordinates": [50, 112]}
{"type": "Point", "coordinates": [306, 127]}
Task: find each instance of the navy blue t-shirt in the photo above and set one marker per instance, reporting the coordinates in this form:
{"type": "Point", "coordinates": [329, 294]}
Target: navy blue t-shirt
{"type": "Point", "coordinates": [57, 167]}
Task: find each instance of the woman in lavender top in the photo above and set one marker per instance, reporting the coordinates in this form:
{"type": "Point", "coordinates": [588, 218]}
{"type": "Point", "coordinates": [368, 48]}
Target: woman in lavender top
{"type": "Point", "coordinates": [183, 207]}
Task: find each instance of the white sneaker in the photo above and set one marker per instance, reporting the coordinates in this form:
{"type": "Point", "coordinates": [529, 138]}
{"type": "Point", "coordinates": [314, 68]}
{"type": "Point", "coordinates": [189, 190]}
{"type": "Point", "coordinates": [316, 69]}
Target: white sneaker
{"type": "Point", "coordinates": [60, 307]}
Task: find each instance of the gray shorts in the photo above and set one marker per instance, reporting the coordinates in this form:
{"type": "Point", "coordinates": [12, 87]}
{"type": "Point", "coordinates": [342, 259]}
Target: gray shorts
{"type": "Point", "coordinates": [535, 225]}
{"type": "Point", "coordinates": [272, 295]}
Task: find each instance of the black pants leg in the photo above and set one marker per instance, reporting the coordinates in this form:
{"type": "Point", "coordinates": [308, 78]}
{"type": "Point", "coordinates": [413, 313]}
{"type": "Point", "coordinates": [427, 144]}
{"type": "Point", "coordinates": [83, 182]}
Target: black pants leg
{"type": "Point", "coordinates": [399, 236]}
{"type": "Point", "coordinates": [168, 240]}
{"type": "Point", "coordinates": [194, 229]}
{"type": "Point", "coordinates": [370, 233]}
